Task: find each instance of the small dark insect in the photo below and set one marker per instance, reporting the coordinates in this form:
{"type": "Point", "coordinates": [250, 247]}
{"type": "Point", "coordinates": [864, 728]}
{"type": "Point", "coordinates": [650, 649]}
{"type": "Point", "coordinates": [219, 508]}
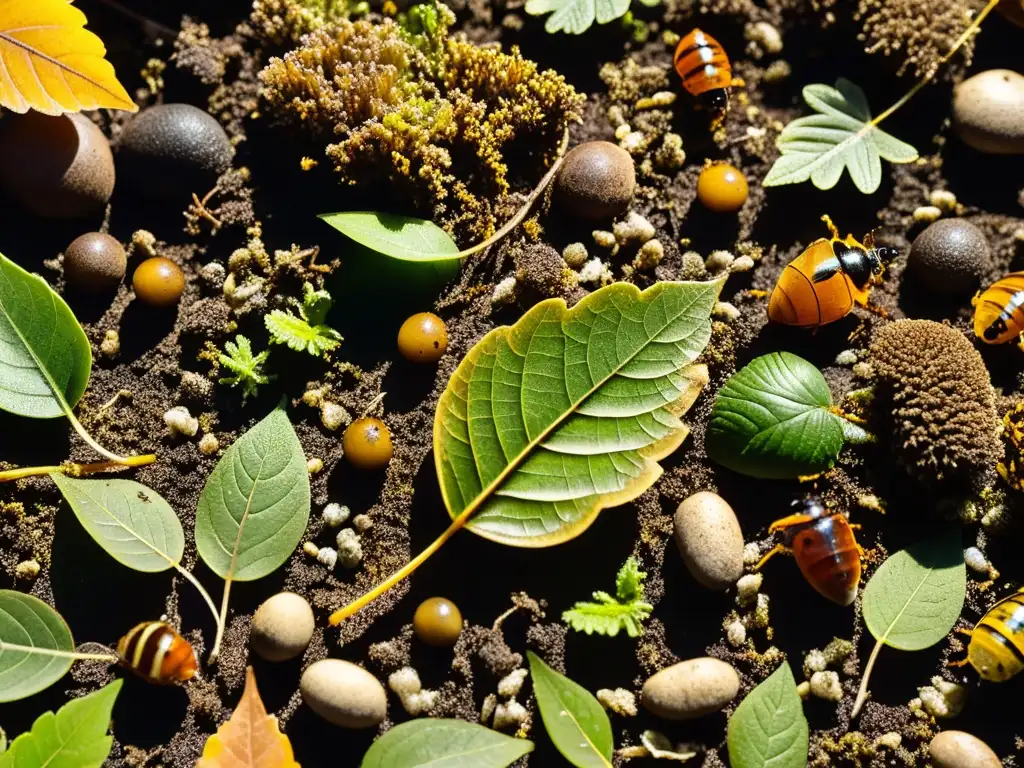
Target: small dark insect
{"type": "Point", "coordinates": [144, 498]}
{"type": "Point", "coordinates": [996, 649]}
{"type": "Point", "coordinates": [157, 654]}
{"type": "Point", "coordinates": [707, 74]}
{"type": "Point", "coordinates": [823, 283]}
{"type": "Point", "coordinates": [825, 549]}
{"type": "Point", "coordinates": [999, 311]}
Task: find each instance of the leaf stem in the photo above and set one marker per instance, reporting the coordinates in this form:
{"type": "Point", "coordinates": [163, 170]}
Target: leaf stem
{"type": "Point", "coordinates": [31, 649]}
{"type": "Point", "coordinates": [73, 469]}
{"type": "Point", "coordinates": [862, 692]}
{"type": "Point", "coordinates": [222, 621]}
{"type": "Point", "coordinates": [128, 461]}
{"type": "Point", "coordinates": [971, 29]}
{"type": "Point", "coordinates": [206, 596]}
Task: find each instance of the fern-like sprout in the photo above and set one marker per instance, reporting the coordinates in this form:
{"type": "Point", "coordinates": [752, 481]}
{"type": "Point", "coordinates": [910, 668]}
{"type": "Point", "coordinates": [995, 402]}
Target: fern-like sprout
{"type": "Point", "coordinates": [308, 331]}
{"type": "Point", "coordinates": [607, 614]}
{"type": "Point", "coordinates": [246, 367]}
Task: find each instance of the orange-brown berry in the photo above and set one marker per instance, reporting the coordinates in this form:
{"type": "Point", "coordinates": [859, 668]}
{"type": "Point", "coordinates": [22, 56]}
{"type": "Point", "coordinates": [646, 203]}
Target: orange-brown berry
{"type": "Point", "coordinates": [367, 443]}
{"type": "Point", "coordinates": [722, 188]}
{"type": "Point", "coordinates": [159, 282]}
{"type": "Point", "coordinates": [423, 338]}
{"type": "Point", "coordinates": [437, 622]}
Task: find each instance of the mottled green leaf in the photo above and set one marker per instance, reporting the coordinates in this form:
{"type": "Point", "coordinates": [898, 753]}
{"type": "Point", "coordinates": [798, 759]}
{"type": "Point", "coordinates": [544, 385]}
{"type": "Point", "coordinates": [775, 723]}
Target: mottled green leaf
{"type": "Point", "coordinates": [75, 737]}
{"type": "Point", "coordinates": [819, 146]}
{"type": "Point", "coordinates": [916, 596]}
{"type": "Point", "coordinates": [441, 743]}
{"type": "Point", "coordinates": [400, 237]}
{"type": "Point", "coordinates": [574, 719]}
{"type": "Point", "coordinates": [254, 508]}
{"type": "Point", "coordinates": [45, 358]}
{"type": "Point", "coordinates": [768, 728]}
{"type": "Point", "coordinates": [772, 420]}
{"type": "Point", "coordinates": [576, 16]}
{"type": "Point", "coordinates": [567, 412]}
{"type": "Point", "coordinates": [28, 628]}
{"type": "Point", "coordinates": [133, 523]}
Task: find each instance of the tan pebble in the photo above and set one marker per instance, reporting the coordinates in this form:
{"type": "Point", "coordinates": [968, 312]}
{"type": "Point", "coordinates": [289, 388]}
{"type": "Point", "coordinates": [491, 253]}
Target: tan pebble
{"type": "Point", "coordinates": [988, 112]}
{"type": "Point", "coordinates": [282, 627]}
{"type": "Point", "coordinates": [344, 694]}
{"type": "Point", "coordinates": [710, 540]}
{"type": "Point", "coordinates": [690, 689]}
{"type": "Point", "coordinates": [956, 749]}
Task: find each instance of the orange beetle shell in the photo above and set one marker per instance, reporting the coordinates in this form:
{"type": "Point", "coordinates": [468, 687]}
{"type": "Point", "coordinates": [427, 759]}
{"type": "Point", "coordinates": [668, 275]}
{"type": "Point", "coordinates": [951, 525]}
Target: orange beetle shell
{"type": "Point", "coordinates": [999, 310]}
{"type": "Point", "coordinates": [827, 554]}
{"type": "Point", "coordinates": [702, 63]}
{"type": "Point", "coordinates": [158, 654]}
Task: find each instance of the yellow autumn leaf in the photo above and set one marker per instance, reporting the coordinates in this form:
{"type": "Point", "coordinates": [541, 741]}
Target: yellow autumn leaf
{"type": "Point", "coordinates": [49, 61]}
{"type": "Point", "coordinates": [250, 739]}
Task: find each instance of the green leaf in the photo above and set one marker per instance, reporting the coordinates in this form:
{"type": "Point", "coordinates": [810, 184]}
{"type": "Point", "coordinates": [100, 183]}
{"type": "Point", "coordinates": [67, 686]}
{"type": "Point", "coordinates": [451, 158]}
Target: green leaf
{"type": "Point", "coordinates": [576, 16]}
{"type": "Point", "coordinates": [768, 728]}
{"type": "Point", "coordinates": [28, 624]}
{"type": "Point", "coordinates": [254, 508]}
{"type": "Point", "coordinates": [916, 596]}
{"type": "Point", "coordinates": [818, 147]}
{"type": "Point", "coordinates": [75, 737]}
{"type": "Point", "coordinates": [248, 368]}
{"type": "Point", "coordinates": [772, 420]}
{"type": "Point", "coordinates": [575, 721]}
{"type": "Point", "coordinates": [444, 744]}
{"type": "Point", "coordinates": [547, 422]}
{"type": "Point", "coordinates": [45, 358]}
{"type": "Point", "coordinates": [400, 237]}
{"type": "Point", "coordinates": [133, 523]}
{"type": "Point", "coordinates": [607, 614]}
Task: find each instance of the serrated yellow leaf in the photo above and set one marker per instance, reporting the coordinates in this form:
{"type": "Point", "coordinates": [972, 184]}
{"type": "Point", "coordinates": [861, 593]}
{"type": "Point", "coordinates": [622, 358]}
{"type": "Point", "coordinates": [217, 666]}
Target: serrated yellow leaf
{"type": "Point", "coordinates": [250, 739]}
{"type": "Point", "coordinates": [49, 61]}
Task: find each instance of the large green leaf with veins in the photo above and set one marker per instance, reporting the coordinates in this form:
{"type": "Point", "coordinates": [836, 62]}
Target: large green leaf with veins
{"type": "Point", "coordinates": [547, 422]}
{"type": "Point", "coordinates": [45, 358]}
{"type": "Point", "coordinates": [35, 645]}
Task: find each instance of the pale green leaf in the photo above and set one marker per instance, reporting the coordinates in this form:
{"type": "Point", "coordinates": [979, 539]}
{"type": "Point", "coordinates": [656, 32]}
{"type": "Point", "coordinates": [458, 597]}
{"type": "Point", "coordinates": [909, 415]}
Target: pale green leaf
{"type": "Point", "coordinates": [27, 623]}
{"type": "Point", "coordinates": [768, 728]}
{"type": "Point", "coordinates": [444, 744]}
{"type": "Point", "coordinates": [400, 237]}
{"type": "Point", "coordinates": [772, 420]}
{"type": "Point", "coordinates": [254, 508]}
{"type": "Point", "coordinates": [3, 741]}
{"type": "Point", "coordinates": [566, 413]}
{"type": "Point", "coordinates": [915, 597]}
{"type": "Point", "coordinates": [133, 523]}
{"type": "Point", "coordinates": [296, 333]}
{"type": "Point", "coordinates": [574, 719]}
{"type": "Point", "coordinates": [819, 146]}
{"type": "Point", "coordinates": [247, 367]}
{"type": "Point", "coordinates": [607, 614]}
{"type": "Point", "coordinates": [75, 737]}
{"type": "Point", "coordinates": [45, 358]}
{"type": "Point", "coordinates": [576, 16]}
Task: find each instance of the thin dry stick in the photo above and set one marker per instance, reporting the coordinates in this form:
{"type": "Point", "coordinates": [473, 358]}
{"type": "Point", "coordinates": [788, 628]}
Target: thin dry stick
{"type": "Point", "coordinates": [862, 692]}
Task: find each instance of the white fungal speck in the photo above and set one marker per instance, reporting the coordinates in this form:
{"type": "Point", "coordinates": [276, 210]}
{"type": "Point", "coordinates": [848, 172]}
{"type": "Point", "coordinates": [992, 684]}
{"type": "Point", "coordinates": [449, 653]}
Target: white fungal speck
{"type": "Point", "coordinates": [181, 422]}
{"type": "Point", "coordinates": [335, 515]}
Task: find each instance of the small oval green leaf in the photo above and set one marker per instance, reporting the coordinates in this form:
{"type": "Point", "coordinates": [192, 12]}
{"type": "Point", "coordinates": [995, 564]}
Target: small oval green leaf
{"type": "Point", "coordinates": [771, 420]}
{"type": "Point", "coordinates": [768, 728]}
{"type": "Point", "coordinates": [45, 359]}
{"type": "Point", "coordinates": [916, 596]}
{"type": "Point", "coordinates": [28, 624]}
{"type": "Point", "coordinates": [574, 719]}
{"type": "Point", "coordinates": [400, 237]}
{"type": "Point", "coordinates": [75, 737]}
{"type": "Point", "coordinates": [133, 523]}
{"type": "Point", "coordinates": [255, 505]}
{"type": "Point", "coordinates": [444, 744]}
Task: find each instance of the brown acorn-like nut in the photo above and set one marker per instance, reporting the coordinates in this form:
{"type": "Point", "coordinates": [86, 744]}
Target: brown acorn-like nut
{"type": "Point", "coordinates": [437, 622]}
{"type": "Point", "coordinates": [423, 338]}
{"type": "Point", "coordinates": [57, 167]}
{"type": "Point", "coordinates": [596, 181]}
{"type": "Point", "coordinates": [94, 263]}
{"type": "Point", "coordinates": [949, 257]}
{"type": "Point", "coordinates": [159, 282]}
{"type": "Point", "coordinates": [367, 443]}
{"type": "Point", "coordinates": [988, 112]}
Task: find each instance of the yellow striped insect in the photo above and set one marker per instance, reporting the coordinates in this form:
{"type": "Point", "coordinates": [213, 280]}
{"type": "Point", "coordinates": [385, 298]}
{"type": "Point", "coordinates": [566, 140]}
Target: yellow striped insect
{"type": "Point", "coordinates": [996, 649]}
{"type": "Point", "coordinates": [158, 654]}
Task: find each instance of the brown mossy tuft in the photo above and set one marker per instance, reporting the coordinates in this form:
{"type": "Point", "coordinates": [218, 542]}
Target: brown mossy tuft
{"type": "Point", "coordinates": [403, 103]}
{"type": "Point", "coordinates": [938, 392]}
{"type": "Point", "coordinates": [894, 27]}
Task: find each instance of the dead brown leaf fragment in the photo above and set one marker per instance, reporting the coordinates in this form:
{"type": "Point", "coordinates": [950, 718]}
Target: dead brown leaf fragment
{"type": "Point", "coordinates": [50, 63]}
{"type": "Point", "coordinates": [250, 738]}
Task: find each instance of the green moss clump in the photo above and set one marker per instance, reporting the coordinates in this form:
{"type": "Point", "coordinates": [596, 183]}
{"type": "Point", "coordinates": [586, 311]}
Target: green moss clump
{"type": "Point", "coordinates": [407, 103]}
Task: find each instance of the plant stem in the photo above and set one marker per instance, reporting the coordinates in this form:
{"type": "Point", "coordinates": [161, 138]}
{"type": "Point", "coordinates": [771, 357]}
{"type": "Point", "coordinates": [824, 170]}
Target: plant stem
{"type": "Point", "coordinates": [971, 29]}
{"type": "Point", "coordinates": [61, 654]}
{"type": "Point", "coordinates": [206, 596]}
{"type": "Point", "coordinates": [222, 621]}
{"type": "Point", "coordinates": [72, 469]}
{"type": "Point", "coordinates": [129, 461]}
{"type": "Point", "coordinates": [862, 692]}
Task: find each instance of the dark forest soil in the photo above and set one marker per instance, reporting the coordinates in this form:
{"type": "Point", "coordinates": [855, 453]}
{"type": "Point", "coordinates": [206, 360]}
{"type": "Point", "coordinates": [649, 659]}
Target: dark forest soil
{"type": "Point", "coordinates": [101, 600]}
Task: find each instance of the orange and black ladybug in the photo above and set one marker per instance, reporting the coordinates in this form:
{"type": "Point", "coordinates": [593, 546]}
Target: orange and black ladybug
{"type": "Point", "coordinates": [158, 654]}
{"type": "Point", "coordinates": [825, 549]}
{"type": "Point", "coordinates": [823, 283]}
{"type": "Point", "coordinates": [707, 74]}
{"type": "Point", "coordinates": [999, 311]}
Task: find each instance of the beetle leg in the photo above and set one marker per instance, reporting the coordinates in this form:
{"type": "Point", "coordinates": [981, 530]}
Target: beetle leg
{"type": "Point", "coordinates": [964, 631]}
{"type": "Point", "coordinates": [777, 549]}
{"type": "Point", "coordinates": [757, 294]}
{"type": "Point", "coordinates": [738, 82]}
{"type": "Point", "coordinates": [789, 521]}
{"type": "Point", "coordinates": [881, 312]}
{"type": "Point", "coordinates": [1020, 342]}
{"type": "Point", "coordinates": [831, 227]}
{"type": "Point", "coordinates": [962, 663]}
